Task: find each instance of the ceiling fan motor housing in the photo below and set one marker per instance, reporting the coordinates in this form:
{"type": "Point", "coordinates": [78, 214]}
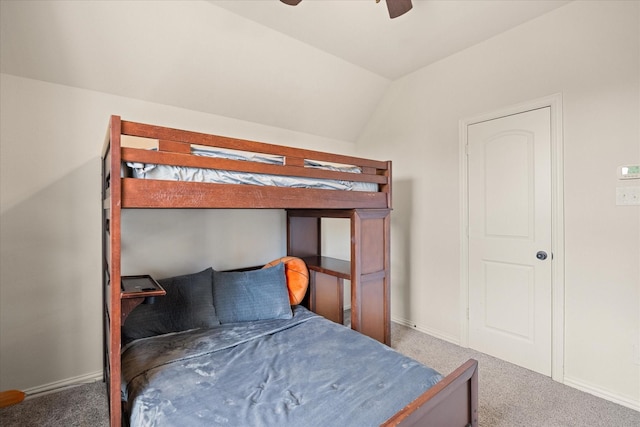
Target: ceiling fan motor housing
{"type": "Point", "coordinates": [395, 7]}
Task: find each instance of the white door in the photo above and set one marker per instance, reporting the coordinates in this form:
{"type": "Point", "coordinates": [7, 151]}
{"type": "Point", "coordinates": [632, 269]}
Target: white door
{"type": "Point", "coordinates": [509, 190]}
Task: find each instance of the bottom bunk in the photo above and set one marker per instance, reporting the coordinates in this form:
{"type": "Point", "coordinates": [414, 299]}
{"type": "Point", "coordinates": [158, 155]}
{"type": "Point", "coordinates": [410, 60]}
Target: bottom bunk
{"type": "Point", "coordinates": [228, 349]}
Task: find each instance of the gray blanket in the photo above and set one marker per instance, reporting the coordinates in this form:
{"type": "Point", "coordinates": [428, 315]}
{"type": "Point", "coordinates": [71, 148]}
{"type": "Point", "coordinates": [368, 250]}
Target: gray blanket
{"type": "Point", "coordinates": [306, 371]}
{"type": "Point", "coordinates": [184, 173]}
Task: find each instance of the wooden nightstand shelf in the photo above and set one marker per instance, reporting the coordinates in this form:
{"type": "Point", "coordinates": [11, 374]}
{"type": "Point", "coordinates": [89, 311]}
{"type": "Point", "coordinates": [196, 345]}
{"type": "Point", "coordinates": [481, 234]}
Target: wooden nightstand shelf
{"type": "Point", "coordinates": [137, 290]}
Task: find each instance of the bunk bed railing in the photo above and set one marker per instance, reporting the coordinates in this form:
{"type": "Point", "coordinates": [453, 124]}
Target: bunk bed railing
{"type": "Point", "coordinates": [286, 169]}
{"type": "Point", "coordinates": [175, 147]}
{"type": "Point", "coordinates": [217, 141]}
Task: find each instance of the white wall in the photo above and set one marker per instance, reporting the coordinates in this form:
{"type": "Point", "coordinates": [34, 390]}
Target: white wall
{"type": "Point", "coordinates": [590, 52]}
{"type": "Point", "coordinates": [50, 247]}
{"type": "Point", "coordinates": [191, 54]}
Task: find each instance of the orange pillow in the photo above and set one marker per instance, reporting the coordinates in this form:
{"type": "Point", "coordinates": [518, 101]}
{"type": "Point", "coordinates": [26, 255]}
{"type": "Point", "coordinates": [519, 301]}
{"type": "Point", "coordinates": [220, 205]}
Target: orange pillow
{"type": "Point", "coordinates": [297, 276]}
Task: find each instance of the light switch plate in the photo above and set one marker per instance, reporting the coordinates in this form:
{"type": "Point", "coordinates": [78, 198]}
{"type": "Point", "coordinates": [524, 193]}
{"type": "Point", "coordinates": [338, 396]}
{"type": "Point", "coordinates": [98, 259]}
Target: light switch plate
{"type": "Point", "coordinates": [627, 196]}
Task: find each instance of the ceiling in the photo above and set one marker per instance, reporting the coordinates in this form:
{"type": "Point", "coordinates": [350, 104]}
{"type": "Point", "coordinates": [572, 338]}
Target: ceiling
{"type": "Point", "coordinates": [361, 32]}
{"type": "Point", "coordinates": [319, 68]}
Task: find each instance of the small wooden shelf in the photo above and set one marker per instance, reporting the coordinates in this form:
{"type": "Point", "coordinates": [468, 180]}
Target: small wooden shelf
{"type": "Point", "coordinates": [138, 290]}
{"type": "Point", "coordinates": [142, 286]}
{"type": "Point", "coordinates": [331, 266]}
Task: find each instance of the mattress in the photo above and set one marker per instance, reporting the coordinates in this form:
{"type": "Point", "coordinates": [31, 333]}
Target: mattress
{"type": "Point", "coordinates": [190, 174]}
{"type": "Point", "coordinates": [304, 371]}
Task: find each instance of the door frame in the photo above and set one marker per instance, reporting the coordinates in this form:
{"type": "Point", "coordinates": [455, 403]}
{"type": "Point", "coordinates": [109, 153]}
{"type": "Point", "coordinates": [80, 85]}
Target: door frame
{"type": "Point", "coordinates": [557, 223]}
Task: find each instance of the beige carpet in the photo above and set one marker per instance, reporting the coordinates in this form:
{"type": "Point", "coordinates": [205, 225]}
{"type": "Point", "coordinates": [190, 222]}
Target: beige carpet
{"type": "Point", "coordinates": [82, 406]}
{"type": "Point", "coordinates": [510, 396]}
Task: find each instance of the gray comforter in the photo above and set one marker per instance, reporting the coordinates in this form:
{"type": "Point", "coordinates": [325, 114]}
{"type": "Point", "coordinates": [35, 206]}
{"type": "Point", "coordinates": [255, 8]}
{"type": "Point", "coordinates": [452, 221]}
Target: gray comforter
{"type": "Point", "coordinates": [306, 371]}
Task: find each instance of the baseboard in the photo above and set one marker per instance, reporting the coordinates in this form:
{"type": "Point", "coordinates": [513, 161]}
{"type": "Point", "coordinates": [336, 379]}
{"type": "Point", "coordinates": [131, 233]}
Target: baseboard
{"type": "Point", "coordinates": [63, 384]}
{"type": "Point", "coordinates": [602, 393]}
{"type": "Point", "coordinates": [434, 333]}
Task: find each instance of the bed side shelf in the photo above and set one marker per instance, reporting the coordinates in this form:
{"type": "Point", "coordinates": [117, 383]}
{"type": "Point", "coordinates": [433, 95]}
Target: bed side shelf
{"type": "Point", "coordinates": [136, 290]}
{"type": "Point", "coordinates": [327, 265]}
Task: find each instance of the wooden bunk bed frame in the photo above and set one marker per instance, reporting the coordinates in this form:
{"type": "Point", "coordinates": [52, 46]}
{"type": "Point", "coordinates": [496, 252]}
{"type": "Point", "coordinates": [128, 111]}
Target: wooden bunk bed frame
{"type": "Point", "coordinates": [451, 402]}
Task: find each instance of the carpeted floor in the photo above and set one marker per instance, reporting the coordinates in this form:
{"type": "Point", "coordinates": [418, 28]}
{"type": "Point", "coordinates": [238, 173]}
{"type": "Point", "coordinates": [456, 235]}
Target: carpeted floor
{"type": "Point", "coordinates": [81, 406]}
{"type": "Point", "coordinates": [510, 396]}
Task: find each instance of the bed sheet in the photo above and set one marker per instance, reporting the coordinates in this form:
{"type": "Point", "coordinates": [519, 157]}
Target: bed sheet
{"type": "Point", "coordinates": [306, 371]}
{"type": "Point", "coordinates": [190, 174]}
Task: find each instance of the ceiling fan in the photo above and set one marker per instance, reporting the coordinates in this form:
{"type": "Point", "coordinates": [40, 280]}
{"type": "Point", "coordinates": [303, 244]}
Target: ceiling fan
{"type": "Point", "coordinates": [396, 7]}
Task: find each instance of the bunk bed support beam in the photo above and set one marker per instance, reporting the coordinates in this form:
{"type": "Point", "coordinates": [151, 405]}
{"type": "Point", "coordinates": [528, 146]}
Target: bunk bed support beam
{"type": "Point", "coordinates": [111, 232]}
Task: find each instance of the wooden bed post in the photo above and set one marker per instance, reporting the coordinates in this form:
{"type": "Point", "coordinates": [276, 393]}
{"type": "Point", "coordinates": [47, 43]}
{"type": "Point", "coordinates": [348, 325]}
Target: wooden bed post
{"type": "Point", "coordinates": [111, 263]}
{"type": "Point", "coordinates": [368, 269]}
{"type": "Point", "coordinates": [370, 273]}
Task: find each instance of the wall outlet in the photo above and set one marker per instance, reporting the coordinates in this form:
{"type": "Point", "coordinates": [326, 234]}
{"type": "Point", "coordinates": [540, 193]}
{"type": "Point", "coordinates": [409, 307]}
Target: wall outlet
{"type": "Point", "coordinates": [627, 196]}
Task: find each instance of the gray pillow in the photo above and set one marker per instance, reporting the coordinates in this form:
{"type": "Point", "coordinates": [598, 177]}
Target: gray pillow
{"type": "Point", "coordinates": [188, 304]}
{"type": "Point", "coordinates": [244, 296]}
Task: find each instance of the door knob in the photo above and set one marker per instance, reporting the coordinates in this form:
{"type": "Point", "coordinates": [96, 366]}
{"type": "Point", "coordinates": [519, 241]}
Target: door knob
{"type": "Point", "coordinates": [541, 255]}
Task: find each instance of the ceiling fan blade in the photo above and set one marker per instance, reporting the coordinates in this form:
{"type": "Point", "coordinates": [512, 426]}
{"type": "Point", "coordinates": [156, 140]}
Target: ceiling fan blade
{"type": "Point", "coordinates": [291, 2]}
{"type": "Point", "coordinates": [398, 7]}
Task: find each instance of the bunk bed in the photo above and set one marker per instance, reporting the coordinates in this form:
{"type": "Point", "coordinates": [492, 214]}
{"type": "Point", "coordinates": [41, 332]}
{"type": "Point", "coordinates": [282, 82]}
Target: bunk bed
{"type": "Point", "coordinates": [147, 166]}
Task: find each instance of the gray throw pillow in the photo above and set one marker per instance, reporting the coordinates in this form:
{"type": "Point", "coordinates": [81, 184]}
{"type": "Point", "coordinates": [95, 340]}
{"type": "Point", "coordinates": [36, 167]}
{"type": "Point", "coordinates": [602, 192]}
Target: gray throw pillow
{"type": "Point", "coordinates": [188, 304]}
{"type": "Point", "coordinates": [244, 296]}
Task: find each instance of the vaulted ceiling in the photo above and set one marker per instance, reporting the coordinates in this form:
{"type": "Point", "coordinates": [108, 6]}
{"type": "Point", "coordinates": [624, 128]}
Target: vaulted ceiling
{"type": "Point", "coordinates": [361, 32]}
{"type": "Point", "coordinates": [320, 67]}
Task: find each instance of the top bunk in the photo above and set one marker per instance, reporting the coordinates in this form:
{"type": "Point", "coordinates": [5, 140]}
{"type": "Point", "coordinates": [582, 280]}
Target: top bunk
{"type": "Point", "coordinates": [147, 166]}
